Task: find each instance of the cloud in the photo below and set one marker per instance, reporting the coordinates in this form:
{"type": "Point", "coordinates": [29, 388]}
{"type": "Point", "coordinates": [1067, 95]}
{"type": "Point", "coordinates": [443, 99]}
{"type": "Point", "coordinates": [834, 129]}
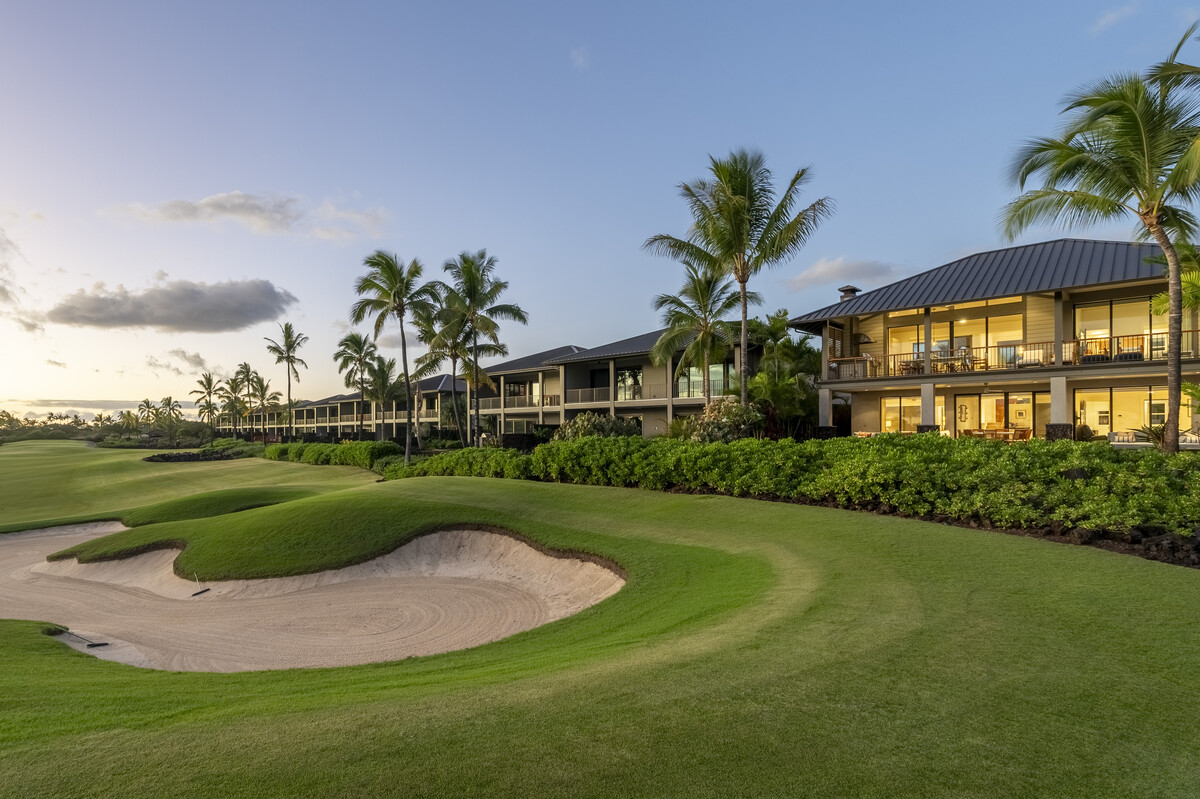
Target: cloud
{"type": "Point", "coordinates": [192, 359]}
{"type": "Point", "coordinates": [392, 341]}
{"type": "Point", "coordinates": [95, 405]}
{"type": "Point", "coordinates": [157, 366]}
{"type": "Point", "coordinates": [266, 214]}
{"type": "Point", "coordinates": [59, 364]}
{"type": "Point", "coordinates": [179, 306]}
{"type": "Point", "coordinates": [579, 58]}
{"type": "Point", "coordinates": [839, 270]}
{"type": "Point", "coordinates": [1111, 17]}
{"type": "Point", "coordinates": [10, 291]}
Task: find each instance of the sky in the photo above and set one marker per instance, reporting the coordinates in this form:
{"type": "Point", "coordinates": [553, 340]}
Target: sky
{"type": "Point", "coordinates": [176, 180]}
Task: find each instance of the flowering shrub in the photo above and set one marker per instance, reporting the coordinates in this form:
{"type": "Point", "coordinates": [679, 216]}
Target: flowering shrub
{"type": "Point", "coordinates": [588, 424]}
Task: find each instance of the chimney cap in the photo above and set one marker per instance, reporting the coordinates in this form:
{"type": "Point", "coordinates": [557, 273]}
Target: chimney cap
{"type": "Point", "coordinates": [849, 292]}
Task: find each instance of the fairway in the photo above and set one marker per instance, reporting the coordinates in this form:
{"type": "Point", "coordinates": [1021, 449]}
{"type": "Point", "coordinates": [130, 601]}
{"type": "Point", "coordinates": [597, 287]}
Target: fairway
{"type": "Point", "coordinates": [757, 649]}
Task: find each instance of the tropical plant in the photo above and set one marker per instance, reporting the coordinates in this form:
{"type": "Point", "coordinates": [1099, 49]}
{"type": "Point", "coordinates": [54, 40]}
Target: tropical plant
{"type": "Point", "coordinates": [382, 385]}
{"type": "Point", "coordinates": [245, 375]}
{"type": "Point", "coordinates": [146, 411]}
{"type": "Point", "coordinates": [354, 355]}
{"type": "Point", "coordinates": [478, 310]}
{"type": "Point", "coordinates": [230, 395]}
{"type": "Point", "coordinates": [785, 383]}
{"type": "Point", "coordinates": [739, 228]}
{"type": "Point", "coordinates": [170, 414]}
{"type": "Point", "coordinates": [695, 320]}
{"type": "Point", "coordinates": [284, 350]}
{"type": "Point", "coordinates": [128, 421]}
{"type": "Point", "coordinates": [262, 398]}
{"type": "Point", "coordinates": [392, 290]}
{"type": "Point", "coordinates": [206, 394]}
{"type": "Point", "coordinates": [1130, 147]}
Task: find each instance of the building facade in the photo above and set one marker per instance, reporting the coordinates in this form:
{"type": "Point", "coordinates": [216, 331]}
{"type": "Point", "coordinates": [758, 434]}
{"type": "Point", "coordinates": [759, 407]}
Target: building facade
{"type": "Point", "coordinates": [1028, 340]}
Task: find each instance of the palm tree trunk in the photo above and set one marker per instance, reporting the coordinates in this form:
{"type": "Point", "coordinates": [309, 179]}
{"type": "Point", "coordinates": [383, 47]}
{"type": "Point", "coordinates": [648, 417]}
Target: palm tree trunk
{"type": "Point", "coordinates": [291, 427]}
{"type": "Point", "coordinates": [1174, 338]}
{"type": "Point", "coordinates": [707, 385]}
{"type": "Point", "coordinates": [408, 396]}
{"type": "Point", "coordinates": [362, 401]}
{"type": "Point", "coordinates": [454, 400]}
{"type": "Point", "coordinates": [744, 365]}
{"type": "Point", "coordinates": [475, 439]}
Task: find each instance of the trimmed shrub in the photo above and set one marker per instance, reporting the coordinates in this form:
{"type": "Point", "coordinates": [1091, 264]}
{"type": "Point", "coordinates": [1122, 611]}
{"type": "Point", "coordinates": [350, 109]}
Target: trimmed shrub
{"type": "Point", "coordinates": [276, 452]}
{"type": "Point", "coordinates": [318, 454]}
{"type": "Point", "coordinates": [470, 462]}
{"type": "Point", "coordinates": [588, 424]}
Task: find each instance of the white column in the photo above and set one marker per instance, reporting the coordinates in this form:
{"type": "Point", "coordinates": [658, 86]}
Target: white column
{"type": "Point", "coordinates": [825, 407]}
{"type": "Point", "coordinates": [824, 353]}
{"type": "Point", "coordinates": [928, 402]}
{"type": "Point", "coordinates": [612, 387]}
{"type": "Point", "coordinates": [1058, 328]}
{"type": "Point", "coordinates": [1060, 403]}
{"type": "Point", "coordinates": [670, 373]}
{"type": "Point", "coordinates": [541, 398]}
{"type": "Point", "coordinates": [502, 404]}
{"type": "Point", "coordinates": [928, 361]}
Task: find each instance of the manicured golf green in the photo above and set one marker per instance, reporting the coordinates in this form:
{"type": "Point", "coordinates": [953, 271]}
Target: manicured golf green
{"type": "Point", "coordinates": [758, 649]}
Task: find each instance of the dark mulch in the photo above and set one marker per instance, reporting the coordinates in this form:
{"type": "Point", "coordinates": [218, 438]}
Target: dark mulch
{"type": "Point", "coordinates": [191, 457]}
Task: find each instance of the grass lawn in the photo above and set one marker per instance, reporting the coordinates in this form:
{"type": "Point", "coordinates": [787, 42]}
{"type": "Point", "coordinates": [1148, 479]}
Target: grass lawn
{"type": "Point", "coordinates": [758, 649]}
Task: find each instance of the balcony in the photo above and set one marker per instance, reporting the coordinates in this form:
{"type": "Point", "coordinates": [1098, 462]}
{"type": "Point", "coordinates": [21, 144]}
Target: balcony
{"type": "Point", "coordinates": [489, 403]}
{"type": "Point", "coordinates": [1011, 357]}
{"type": "Point", "coordinates": [647, 391]}
{"type": "Point", "coordinates": [582, 395]}
{"type": "Point", "coordinates": [694, 389]}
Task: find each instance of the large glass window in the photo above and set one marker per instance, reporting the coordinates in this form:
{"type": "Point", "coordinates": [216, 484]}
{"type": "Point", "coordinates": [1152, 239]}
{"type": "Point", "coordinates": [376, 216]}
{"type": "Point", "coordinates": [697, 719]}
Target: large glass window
{"type": "Point", "coordinates": [1093, 408]}
{"type": "Point", "coordinates": [905, 340]}
{"type": "Point", "coordinates": [629, 384]}
{"type": "Point", "coordinates": [1126, 409]}
{"type": "Point", "coordinates": [1004, 337]}
{"type": "Point", "coordinates": [1020, 411]}
{"type": "Point", "coordinates": [1041, 413]}
{"type": "Point", "coordinates": [903, 414]}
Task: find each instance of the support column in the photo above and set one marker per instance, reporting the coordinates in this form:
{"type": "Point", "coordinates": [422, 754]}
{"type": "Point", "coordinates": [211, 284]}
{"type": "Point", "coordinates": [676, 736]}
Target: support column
{"type": "Point", "coordinates": [500, 431]}
{"type": "Point", "coordinates": [612, 387]}
{"type": "Point", "coordinates": [824, 352]}
{"type": "Point", "coordinates": [824, 407]}
{"type": "Point", "coordinates": [928, 405]}
{"type": "Point", "coordinates": [670, 374]}
{"type": "Point", "coordinates": [562, 395]}
{"type": "Point", "coordinates": [541, 398]}
{"type": "Point", "coordinates": [1062, 417]}
{"type": "Point", "coordinates": [1058, 328]}
{"type": "Point", "coordinates": [928, 368]}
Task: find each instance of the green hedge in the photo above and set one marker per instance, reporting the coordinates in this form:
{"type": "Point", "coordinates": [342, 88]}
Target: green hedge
{"type": "Point", "coordinates": [362, 454]}
{"type": "Point", "coordinates": [1039, 484]}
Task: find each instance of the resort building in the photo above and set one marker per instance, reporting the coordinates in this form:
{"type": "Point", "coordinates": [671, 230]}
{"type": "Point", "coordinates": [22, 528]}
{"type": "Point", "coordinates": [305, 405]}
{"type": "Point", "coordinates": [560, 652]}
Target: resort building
{"type": "Point", "coordinates": [618, 379]}
{"type": "Point", "coordinates": [1028, 340]}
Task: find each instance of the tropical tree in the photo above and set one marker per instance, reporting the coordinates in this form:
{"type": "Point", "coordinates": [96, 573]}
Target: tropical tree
{"type": "Point", "coordinates": [445, 335]}
{"type": "Point", "coordinates": [230, 395]}
{"type": "Point", "coordinates": [170, 414]}
{"type": "Point", "coordinates": [128, 421]}
{"type": "Point", "coordinates": [785, 383]}
{"type": "Point", "coordinates": [738, 227]}
{"type": "Point", "coordinates": [284, 350]}
{"type": "Point", "coordinates": [695, 320]}
{"type": "Point", "coordinates": [392, 290]}
{"type": "Point", "coordinates": [208, 410]}
{"type": "Point", "coordinates": [383, 385]}
{"type": "Point", "coordinates": [246, 376]}
{"type": "Point", "coordinates": [354, 356]}
{"type": "Point", "coordinates": [206, 392]}
{"type": "Point", "coordinates": [478, 311]}
{"type": "Point", "coordinates": [1130, 148]}
{"type": "Point", "coordinates": [146, 412]}
{"type": "Point", "coordinates": [262, 398]}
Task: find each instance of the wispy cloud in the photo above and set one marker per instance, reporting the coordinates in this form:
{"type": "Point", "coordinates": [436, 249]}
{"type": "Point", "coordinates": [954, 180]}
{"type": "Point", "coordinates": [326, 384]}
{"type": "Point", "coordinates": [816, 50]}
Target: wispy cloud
{"type": "Point", "coordinates": [192, 359]}
{"type": "Point", "coordinates": [10, 291]}
{"type": "Point", "coordinates": [839, 270]}
{"type": "Point", "coordinates": [177, 306]}
{"type": "Point", "coordinates": [580, 58]}
{"type": "Point", "coordinates": [266, 214]}
{"type": "Point", "coordinates": [156, 367]}
{"type": "Point", "coordinates": [59, 364]}
{"type": "Point", "coordinates": [1111, 17]}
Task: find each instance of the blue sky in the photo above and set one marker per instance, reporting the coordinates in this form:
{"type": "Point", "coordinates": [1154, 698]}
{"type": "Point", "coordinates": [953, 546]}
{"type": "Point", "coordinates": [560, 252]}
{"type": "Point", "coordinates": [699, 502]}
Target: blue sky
{"type": "Point", "coordinates": [161, 157]}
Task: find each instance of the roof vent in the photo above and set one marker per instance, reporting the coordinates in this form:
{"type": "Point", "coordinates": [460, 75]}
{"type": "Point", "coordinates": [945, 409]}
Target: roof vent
{"type": "Point", "coordinates": [849, 292]}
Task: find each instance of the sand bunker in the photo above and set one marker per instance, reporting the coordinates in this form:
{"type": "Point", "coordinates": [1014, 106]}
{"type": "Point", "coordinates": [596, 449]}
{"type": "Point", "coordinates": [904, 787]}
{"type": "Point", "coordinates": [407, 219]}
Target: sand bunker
{"type": "Point", "coordinates": [445, 591]}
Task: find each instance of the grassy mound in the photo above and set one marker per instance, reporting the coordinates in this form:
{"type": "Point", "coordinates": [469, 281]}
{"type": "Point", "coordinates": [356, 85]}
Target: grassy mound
{"type": "Point", "coordinates": [214, 503]}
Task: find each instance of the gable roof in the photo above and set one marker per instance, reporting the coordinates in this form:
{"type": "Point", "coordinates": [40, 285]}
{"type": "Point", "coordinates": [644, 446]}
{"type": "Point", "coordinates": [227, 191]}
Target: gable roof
{"type": "Point", "coordinates": [635, 345]}
{"type": "Point", "coordinates": [530, 362]}
{"type": "Point", "coordinates": [439, 383]}
{"type": "Point", "coordinates": [1025, 269]}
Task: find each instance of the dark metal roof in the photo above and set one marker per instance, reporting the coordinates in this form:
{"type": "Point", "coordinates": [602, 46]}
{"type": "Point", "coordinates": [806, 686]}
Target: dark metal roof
{"type": "Point", "coordinates": [637, 345]}
{"type": "Point", "coordinates": [438, 383]}
{"type": "Point", "coordinates": [531, 362]}
{"type": "Point", "coordinates": [1029, 268]}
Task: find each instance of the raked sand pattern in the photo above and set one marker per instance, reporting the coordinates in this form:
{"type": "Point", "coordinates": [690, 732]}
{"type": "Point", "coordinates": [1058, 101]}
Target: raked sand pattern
{"type": "Point", "coordinates": [441, 592]}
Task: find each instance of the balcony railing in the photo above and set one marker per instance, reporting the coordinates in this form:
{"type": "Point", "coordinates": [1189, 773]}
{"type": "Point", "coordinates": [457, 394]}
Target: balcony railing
{"type": "Point", "coordinates": [575, 395]}
{"type": "Point", "coordinates": [489, 403]}
{"type": "Point", "coordinates": [551, 400]}
{"type": "Point", "coordinates": [521, 402]}
{"type": "Point", "coordinates": [647, 391]}
{"type": "Point", "coordinates": [694, 389]}
{"type": "Point", "coordinates": [1080, 352]}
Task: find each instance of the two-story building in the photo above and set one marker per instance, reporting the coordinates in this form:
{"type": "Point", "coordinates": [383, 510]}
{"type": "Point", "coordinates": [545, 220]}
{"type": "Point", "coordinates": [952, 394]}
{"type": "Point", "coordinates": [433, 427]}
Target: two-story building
{"type": "Point", "coordinates": [1028, 340]}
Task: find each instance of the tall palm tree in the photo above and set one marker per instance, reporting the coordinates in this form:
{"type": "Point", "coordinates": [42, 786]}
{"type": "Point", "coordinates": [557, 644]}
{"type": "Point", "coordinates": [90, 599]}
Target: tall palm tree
{"type": "Point", "coordinates": [739, 228]}
{"type": "Point", "coordinates": [284, 351]}
{"type": "Point", "coordinates": [695, 320]}
{"type": "Point", "coordinates": [383, 385]}
{"type": "Point", "coordinates": [444, 334]}
{"type": "Point", "coordinates": [146, 412]}
{"type": "Point", "coordinates": [208, 410]}
{"type": "Point", "coordinates": [206, 392]}
{"type": "Point", "coordinates": [354, 356]}
{"type": "Point", "coordinates": [129, 421]}
{"type": "Point", "coordinates": [262, 398]}
{"type": "Point", "coordinates": [246, 375]}
{"type": "Point", "coordinates": [478, 310]}
{"type": "Point", "coordinates": [170, 414]}
{"type": "Point", "coordinates": [1130, 148]}
{"type": "Point", "coordinates": [392, 290]}
{"type": "Point", "coordinates": [231, 400]}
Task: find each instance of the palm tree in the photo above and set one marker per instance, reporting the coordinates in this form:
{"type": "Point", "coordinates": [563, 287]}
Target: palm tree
{"type": "Point", "coordinates": [695, 320]}
{"type": "Point", "coordinates": [246, 375]}
{"type": "Point", "coordinates": [382, 384]}
{"type": "Point", "coordinates": [262, 398]}
{"type": "Point", "coordinates": [1129, 148]}
{"type": "Point", "coordinates": [392, 290]}
{"type": "Point", "coordinates": [285, 353]}
{"type": "Point", "coordinates": [206, 392]}
{"type": "Point", "coordinates": [447, 340]}
{"type": "Point", "coordinates": [146, 412]}
{"type": "Point", "coordinates": [208, 410]}
{"type": "Point", "coordinates": [128, 421]}
{"type": "Point", "coordinates": [739, 228]}
{"type": "Point", "coordinates": [231, 400]}
{"type": "Point", "coordinates": [477, 310]}
{"type": "Point", "coordinates": [354, 356]}
{"type": "Point", "coordinates": [170, 414]}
